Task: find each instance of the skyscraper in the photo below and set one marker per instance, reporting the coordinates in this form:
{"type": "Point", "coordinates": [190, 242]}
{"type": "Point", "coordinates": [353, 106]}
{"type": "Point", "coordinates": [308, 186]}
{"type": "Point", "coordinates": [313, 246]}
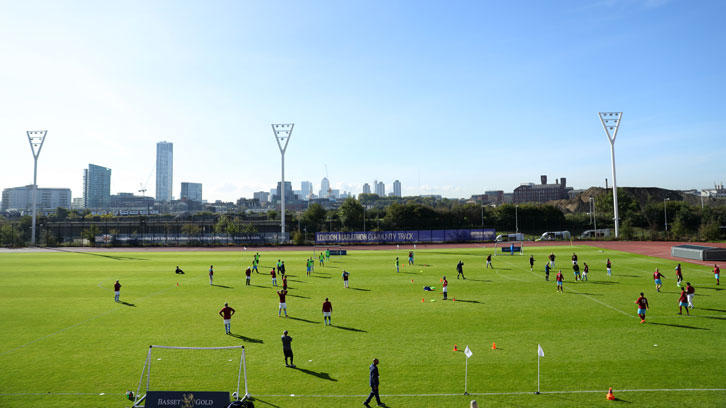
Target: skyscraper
{"type": "Point", "coordinates": [164, 170]}
{"type": "Point", "coordinates": [96, 187]}
{"type": "Point", "coordinates": [397, 189]}
{"type": "Point", "coordinates": [366, 188]}
{"type": "Point", "coordinates": [306, 189]}
{"type": "Point", "coordinates": [324, 188]}
{"type": "Point", "coordinates": [191, 191]}
{"type": "Point", "coordinates": [380, 188]}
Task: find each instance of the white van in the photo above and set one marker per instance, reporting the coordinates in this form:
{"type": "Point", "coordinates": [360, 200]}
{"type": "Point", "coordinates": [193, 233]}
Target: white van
{"type": "Point", "coordinates": [509, 237]}
{"type": "Point", "coordinates": [598, 233]}
{"type": "Point", "coordinates": [555, 236]}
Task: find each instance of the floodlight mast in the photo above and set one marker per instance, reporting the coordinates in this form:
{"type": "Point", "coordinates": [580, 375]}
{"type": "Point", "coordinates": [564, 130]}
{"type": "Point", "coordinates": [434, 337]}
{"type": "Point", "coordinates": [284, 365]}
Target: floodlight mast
{"type": "Point", "coordinates": [282, 137]}
{"type": "Point", "coordinates": [611, 123]}
{"type": "Point", "coordinates": [36, 139]}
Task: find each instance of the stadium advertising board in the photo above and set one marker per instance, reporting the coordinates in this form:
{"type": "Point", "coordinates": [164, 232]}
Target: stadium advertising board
{"type": "Point", "coordinates": [370, 237]}
{"type": "Point", "coordinates": [186, 399]}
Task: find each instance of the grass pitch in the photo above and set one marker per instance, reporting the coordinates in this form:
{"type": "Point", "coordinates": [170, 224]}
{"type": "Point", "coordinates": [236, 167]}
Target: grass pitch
{"type": "Point", "coordinates": [65, 342]}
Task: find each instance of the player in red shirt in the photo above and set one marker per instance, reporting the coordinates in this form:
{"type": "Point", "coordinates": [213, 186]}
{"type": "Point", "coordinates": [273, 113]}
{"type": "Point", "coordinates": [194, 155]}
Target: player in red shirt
{"type": "Point", "coordinates": [679, 275]}
{"type": "Point", "coordinates": [683, 302]}
{"type": "Point", "coordinates": [226, 314]}
{"type": "Point", "coordinates": [690, 292]}
{"type": "Point", "coordinates": [656, 278]}
{"type": "Point", "coordinates": [284, 282]}
{"type": "Point", "coordinates": [248, 275]}
{"type": "Point", "coordinates": [283, 305]}
{"type": "Point", "coordinates": [609, 267]}
{"type": "Point", "coordinates": [274, 277]}
{"type": "Point", "coordinates": [560, 281]}
{"type": "Point", "coordinates": [716, 273]}
{"type": "Point", "coordinates": [446, 289]}
{"type": "Point", "coordinates": [327, 310]}
{"type": "Point", "coordinates": [116, 291]}
{"type": "Point", "coordinates": [642, 303]}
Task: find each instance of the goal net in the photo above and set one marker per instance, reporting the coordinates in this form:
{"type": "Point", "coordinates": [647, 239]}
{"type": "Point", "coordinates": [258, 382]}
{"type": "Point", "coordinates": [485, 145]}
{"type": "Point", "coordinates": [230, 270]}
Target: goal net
{"type": "Point", "coordinates": [335, 250]}
{"type": "Point", "coordinates": [169, 368]}
{"type": "Point", "coordinates": [506, 247]}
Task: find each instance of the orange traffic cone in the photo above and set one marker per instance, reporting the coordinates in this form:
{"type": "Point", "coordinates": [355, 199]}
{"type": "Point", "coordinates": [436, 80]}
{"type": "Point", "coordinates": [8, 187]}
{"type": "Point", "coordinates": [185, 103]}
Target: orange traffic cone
{"type": "Point", "coordinates": [411, 280]}
{"type": "Point", "coordinates": [441, 279]}
{"type": "Point", "coordinates": [454, 299]}
{"type": "Point", "coordinates": [455, 349]}
{"type": "Point", "coordinates": [494, 346]}
{"type": "Point", "coordinates": [422, 300]}
{"type": "Point", "coordinates": [610, 395]}
{"type": "Point", "coordinates": [177, 284]}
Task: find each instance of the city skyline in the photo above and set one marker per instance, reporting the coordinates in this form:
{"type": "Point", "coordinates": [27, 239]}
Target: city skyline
{"type": "Point", "coordinates": [450, 100]}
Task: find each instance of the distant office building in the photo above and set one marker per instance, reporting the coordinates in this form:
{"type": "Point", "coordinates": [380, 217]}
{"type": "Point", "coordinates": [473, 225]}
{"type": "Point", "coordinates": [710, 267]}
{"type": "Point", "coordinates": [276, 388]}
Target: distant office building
{"type": "Point", "coordinates": [397, 189]}
{"type": "Point", "coordinates": [494, 196]}
{"type": "Point", "coordinates": [306, 190]}
{"type": "Point", "coordinates": [261, 196]}
{"type": "Point", "coordinates": [324, 188]}
{"type": "Point", "coordinates": [96, 187]}
{"type": "Point", "coordinates": [164, 170]}
{"type": "Point", "coordinates": [289, 194]}
{"type": "Point", "coordinates": [366, 188]}
{"type": "Point", "coordinates": [129, 201]}
{"type": "Point", "coordinates": [541, 193]}
{"type": "Point", "coordinates": [21, 198]}
{"type": "Point", "coordinates": [191, 191]}
{"type": "Point", "coordinates": [249, 203]}
{"type": "Point", "coordinates": [77, 203]}
{"type": "Point", "coordinates": [380, 188]}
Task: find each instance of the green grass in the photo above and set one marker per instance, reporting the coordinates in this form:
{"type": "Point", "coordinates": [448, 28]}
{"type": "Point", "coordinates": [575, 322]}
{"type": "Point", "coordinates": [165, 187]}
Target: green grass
{"type": "Point", "coordinates": [61, 332]}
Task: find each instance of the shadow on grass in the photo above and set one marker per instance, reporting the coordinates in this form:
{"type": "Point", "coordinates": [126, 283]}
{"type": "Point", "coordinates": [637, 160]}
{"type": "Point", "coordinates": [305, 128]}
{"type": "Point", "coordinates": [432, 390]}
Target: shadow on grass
{"type": "Point", "coordinates": [360, 289]}
{"type": "Point", "coordinates": [322, 277]}
{"type": "Point", "coordinates": [629, 276]}
{"type": "Point", "coordinates": [711, 317]}
{"type": "Point", "coordinates": [321, 375]}
{"type": "Point", "coordinates": [679, 326]}
{"type": "Point", "coordinates": [303, 320]}
{"type": "Point", "coordinates": [353, 329]}
{"type": "Point", "coordinates": [298, 296]}
{"type": "Point", "coordinates": [716, 289]}
{"type": "Point", "coordinates": [127, 304]}
{"type": "Point", "coordinates": [222, 286]}
{"type": "Point", "coordinates": [478, 280]}
{"type": "Point", "coordinates": [246, 339]}
{"type": "Point", "coordinates": [411, 273]}
{"type": "Point", "coordinates": [467, 301]}
{"type": "Point", "coordinates": [261, 402]}
{"type": "Point", "coordinates": [583, 293]}
{"type": "Point", "coordinates": [713, 310]}
{"type": "Point", "coordinates": [602, 282]}
{"type": "Point", "coordinates": [295, 280]}
{"type": "Point", "coordinates": [114, 257]}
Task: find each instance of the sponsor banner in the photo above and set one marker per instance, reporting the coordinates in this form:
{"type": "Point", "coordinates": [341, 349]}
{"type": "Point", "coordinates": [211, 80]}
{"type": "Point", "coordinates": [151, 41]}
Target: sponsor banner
{"type": "Point", "coordinates": [370, 237]}
{"type": "Point", "coordinates": [186, 399]}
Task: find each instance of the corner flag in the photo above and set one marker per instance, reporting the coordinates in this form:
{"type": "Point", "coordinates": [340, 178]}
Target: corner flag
{"type": "Point", "coordinates": [468, 352]}
{"type": "Point", "coordinates": [540, 352]}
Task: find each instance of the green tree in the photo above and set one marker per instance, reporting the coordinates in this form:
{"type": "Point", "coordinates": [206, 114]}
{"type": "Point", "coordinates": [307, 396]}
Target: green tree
{"type": "Point", "coordinates": [314, 217]}
{"type": "Point", "coordinates": [350, 214]}
{"type": "Point", "coordinates": [90, 233]}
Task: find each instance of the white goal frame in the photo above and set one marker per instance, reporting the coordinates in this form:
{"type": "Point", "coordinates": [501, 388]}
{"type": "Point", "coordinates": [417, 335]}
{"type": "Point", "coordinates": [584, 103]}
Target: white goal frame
{"type": "Point", "coordinates": [506, 244]}
{"type": "Point", "coordinates": [146, 371]}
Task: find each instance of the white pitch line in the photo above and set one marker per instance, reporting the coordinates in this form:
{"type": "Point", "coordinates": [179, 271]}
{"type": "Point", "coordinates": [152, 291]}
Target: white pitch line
{"type": "Point", "coordinates": [603, 303]}
{"type": "Point", "coordinates": [488, 393]}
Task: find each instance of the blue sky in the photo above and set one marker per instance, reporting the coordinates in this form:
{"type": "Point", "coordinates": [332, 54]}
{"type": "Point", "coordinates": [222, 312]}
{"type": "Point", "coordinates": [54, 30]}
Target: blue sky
{"type": "Point", "coordinates": [449, 97]}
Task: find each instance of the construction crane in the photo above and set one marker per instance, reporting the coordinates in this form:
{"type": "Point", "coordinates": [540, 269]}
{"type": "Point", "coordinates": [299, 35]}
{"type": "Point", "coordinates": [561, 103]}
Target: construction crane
{"type": "Point", "coordinates": [142, 188]}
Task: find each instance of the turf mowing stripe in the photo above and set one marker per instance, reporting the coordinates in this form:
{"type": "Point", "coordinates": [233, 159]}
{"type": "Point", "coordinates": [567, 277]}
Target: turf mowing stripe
{"type": "Point", "coordinates": [78, 324]}
{"type": "Point", "coordinates": [484, 393]}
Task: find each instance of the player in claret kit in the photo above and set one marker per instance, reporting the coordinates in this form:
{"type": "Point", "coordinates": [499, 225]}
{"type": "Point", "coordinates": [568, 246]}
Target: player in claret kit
{"type": "Point", "coordinates": [489, 262]}
{"type": "Point", "coordinates": [657, 279]}
{"type": "Point", "coordinates": [116, 291]}
{"type": "Point", "coordinates": [226, 314]}
{"type": "Point", "coordinates": [585, 270]}
{"type": "Point", "coordinates": [679, 275]}
{"type": "Point", "coordinates": [345, 276]}
{"type": "Point", "coordinates": [609, 267]}
{"type": "Point", "coordinates": [282, 306]}
{"type": "Point", "coordinates": [274, 277]}
{"type": "Point", "coordinates": [531, 263]}
{"type": "Point", "coordinates": [327, 311]}
{"type": "Point", "coordinates": [560, 281]}
{"type": "Point", "coordinates": [683, 302]}
{"type": "Point", "coordinates": [642, 303]}
{"type": "Point", "coordinates": [716, 274]}
{"type": "Point", "coordinates": [248, 276]}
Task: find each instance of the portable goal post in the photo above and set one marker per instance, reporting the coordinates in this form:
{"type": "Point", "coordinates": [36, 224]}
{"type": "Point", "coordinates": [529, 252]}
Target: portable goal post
{"type": "Point", "coordinates": [171, 368]}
